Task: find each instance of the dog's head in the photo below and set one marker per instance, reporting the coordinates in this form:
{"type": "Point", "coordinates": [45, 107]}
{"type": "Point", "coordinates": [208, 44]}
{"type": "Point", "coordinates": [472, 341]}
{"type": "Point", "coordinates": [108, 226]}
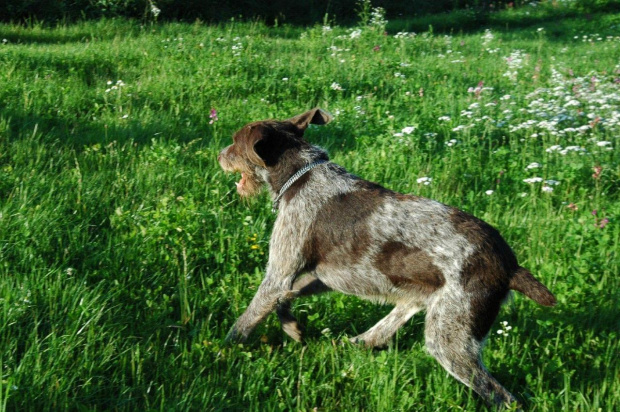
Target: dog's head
{"type": "Point", "coordinates": [260, 147]}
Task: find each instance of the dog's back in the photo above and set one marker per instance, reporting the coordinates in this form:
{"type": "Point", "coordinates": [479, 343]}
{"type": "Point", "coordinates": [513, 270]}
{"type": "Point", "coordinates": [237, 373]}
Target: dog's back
{"type": "Point", "coordinates": [391, 245]}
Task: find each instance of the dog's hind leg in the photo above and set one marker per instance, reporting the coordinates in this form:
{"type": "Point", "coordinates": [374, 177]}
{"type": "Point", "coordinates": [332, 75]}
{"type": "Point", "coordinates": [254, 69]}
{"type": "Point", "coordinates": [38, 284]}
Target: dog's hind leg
{"type": "Point", "coordinates": [449, 338]}
{"type": "Point", "coordinates": [305, 285]}
{"type": "Point", "coordinates": [380, 334]}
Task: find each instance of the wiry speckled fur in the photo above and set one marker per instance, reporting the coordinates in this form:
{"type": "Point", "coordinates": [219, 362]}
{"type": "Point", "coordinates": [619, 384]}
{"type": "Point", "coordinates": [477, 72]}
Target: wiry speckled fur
{"type": "Point", "coordinates": [335, 231]}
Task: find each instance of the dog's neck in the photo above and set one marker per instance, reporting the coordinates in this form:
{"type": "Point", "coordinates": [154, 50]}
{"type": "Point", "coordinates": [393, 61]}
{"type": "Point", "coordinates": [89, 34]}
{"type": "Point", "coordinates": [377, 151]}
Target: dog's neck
{"type": "Point", "coordinates": [292, 180]}
{"type": "Point", "coordinates": [289, 165]}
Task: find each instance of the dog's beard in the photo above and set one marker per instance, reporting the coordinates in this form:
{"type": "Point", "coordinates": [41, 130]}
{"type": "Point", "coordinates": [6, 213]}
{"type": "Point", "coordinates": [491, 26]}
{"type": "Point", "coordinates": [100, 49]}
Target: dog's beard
{"type": "Point", "coordinates": [249, 184]}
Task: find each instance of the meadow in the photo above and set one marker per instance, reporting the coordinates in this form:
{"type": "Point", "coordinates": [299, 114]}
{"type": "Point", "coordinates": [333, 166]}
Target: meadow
{"type": "Point", "coordinates": [126, 254]}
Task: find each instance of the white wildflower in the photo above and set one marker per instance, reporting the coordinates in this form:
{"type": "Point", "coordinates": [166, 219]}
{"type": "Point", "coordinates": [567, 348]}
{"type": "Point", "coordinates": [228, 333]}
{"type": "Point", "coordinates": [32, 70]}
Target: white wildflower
{"type": "Point", "coordinates": [377, 18]}
{"type": "Point", "coordinates": [425, 180]}
{"type": "Point", "coordinates": [487, 38]}
{"type": "Point", "coordinates": [155, 10]}
{"type": "Point", "coordinates": [534, 179]}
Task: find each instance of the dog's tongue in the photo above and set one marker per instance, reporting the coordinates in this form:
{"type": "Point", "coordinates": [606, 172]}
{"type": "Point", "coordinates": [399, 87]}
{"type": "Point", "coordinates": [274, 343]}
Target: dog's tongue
{"type": "Point", "coordinates": [241, 182]}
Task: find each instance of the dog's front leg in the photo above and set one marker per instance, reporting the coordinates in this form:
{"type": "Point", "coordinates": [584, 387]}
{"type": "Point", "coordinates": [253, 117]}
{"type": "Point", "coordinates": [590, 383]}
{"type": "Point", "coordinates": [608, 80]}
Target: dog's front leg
{"type": "Point", "coordinates": [271, 292]}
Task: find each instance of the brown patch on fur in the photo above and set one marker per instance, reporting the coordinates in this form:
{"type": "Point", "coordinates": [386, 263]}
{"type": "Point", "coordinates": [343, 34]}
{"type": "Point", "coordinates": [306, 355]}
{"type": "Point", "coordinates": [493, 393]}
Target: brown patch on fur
{"type": "Point", "coordinates": [329, 244]}
{"type": "Point", "coordinates": [340, 234]}
{"type": "Point", "coordinates": [408, 267]}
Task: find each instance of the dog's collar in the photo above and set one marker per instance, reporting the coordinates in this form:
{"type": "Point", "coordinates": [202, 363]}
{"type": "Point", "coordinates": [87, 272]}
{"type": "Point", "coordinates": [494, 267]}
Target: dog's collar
{"type": "Point", "coordinates": [293, 179]}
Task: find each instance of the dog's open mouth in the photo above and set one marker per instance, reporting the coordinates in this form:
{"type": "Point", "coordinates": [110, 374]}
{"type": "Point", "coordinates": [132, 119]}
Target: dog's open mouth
{"type": "Point", "coordinates": [241, 183]}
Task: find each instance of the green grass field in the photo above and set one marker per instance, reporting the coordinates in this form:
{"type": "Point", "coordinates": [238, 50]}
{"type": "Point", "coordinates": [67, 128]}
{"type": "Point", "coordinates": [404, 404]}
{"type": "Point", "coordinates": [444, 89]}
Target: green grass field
{"type": "Point", "coordinates": [126, 255]}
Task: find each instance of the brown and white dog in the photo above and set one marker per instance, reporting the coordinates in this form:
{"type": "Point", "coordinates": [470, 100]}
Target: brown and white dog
{"type": "Point", "coordinates": [335, 231]}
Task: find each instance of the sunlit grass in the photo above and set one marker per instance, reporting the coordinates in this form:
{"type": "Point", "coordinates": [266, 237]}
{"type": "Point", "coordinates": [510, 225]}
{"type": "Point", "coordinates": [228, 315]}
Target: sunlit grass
{"type": "Point", "coordinates": [125, 254]}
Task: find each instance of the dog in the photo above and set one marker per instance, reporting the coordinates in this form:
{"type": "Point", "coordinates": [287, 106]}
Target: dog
{"type": "Point", "coordinates": [336, 231]}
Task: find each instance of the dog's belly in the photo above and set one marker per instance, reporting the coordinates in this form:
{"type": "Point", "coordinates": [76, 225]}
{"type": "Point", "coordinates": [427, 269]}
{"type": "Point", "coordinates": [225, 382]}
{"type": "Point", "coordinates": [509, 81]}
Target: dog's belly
{"type": "Point", "coordinates": [371, 284]}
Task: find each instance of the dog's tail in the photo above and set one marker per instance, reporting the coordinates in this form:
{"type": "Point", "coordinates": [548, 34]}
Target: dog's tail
{"type": "Point", "coordinates": [524, 282]}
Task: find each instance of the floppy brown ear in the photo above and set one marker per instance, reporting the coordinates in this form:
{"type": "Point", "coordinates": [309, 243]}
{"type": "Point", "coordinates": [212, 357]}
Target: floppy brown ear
{"type": "Point", "coordinates": [253, 135]}
{"type": "Point", "coordinates": [314, 116]}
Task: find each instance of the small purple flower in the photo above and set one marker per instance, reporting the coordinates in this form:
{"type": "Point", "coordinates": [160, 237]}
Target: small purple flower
{"type": "Point", "coordinates": [603, 223]}
{"type": "Point", "coordinates": [476, 91]}
{"type": "Point", "coordinates": [593, 81]}
{"type": "Point", "coordinates": [594, 212]}
{"type": "Point", "coordinates": [213, 116]}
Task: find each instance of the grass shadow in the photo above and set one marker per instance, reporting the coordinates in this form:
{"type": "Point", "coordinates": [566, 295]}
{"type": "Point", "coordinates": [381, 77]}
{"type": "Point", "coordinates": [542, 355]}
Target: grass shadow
{"type": "Point", "coordinates": [77, 133]}
{"type": "Point", "coordinates": [66, 33]}
{"type": "Point", "coordinates": [562, 21]}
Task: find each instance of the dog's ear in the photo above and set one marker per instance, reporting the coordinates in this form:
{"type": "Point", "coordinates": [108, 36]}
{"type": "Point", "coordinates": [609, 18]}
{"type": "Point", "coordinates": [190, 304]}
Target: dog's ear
{"type": "Point", "coordinates": [249, 138]}
{"type": "Point", "coordinates": [268, 144]}
{"type": "Point", "coordinates": [314, 116]}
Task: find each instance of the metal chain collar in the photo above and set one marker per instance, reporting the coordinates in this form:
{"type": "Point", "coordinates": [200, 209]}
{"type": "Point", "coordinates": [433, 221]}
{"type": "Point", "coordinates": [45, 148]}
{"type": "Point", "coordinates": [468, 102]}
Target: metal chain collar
{"type": "Point", "coordinates": [292, 180]}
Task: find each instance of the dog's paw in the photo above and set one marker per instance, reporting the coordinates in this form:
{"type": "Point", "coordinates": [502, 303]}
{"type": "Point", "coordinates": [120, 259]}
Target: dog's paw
{"type": "Point", "coordinates": [368, 341]}
{"type": "Point", "coordinates": [359, 340]}
{"type": "Point", "coordinates": [293, 330]}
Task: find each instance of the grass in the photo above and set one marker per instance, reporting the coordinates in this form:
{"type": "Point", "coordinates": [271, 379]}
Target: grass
{"type": "Point", "coordinates": [125, 254]}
